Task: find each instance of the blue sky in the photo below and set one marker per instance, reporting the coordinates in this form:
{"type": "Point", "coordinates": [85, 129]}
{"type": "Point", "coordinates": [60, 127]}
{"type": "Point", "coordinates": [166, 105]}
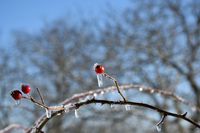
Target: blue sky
{"type": "Point", "coordinates": [30, 15]}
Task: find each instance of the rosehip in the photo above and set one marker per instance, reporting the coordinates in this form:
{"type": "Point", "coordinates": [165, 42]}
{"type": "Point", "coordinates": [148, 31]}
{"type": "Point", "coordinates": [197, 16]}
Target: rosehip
{"type": "Point", "coordinates": [25, 89]}
{"type": "Point", "coordinates": [99, 69]}
{"type": "Point", "coordinates": [16, 94]}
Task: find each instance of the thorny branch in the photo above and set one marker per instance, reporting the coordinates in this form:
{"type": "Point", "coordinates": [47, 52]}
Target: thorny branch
{"type": "Point", "coordinates": [94, 101]}
{"type": "Point", "coordinates": [76, 101]}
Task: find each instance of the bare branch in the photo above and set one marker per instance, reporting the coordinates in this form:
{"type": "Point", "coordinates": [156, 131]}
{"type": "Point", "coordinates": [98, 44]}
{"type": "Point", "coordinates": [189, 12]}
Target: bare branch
{"type": "Point", "coordinates": [41, 97]}
{"type": "Point", "coordinates": [166, 113]}
{"type": "Point", "coordinates": [82, 99]}
{"type": "Point", "coordinates": [161, 120]}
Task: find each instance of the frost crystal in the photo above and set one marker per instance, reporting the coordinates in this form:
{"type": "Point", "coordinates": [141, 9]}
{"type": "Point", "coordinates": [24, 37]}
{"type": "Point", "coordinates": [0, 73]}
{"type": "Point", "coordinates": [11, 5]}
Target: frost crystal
{"type": "Point", "coordinates": [95, 95]}
{"type": "Point", "coordinates": [127, 107]}
{"type": "Point", "coordinates": [159, 128]}
{"type": "Point", "coordinates": [67, 107]}
{"type": "Point", "coordinates": [76, 113]}
{"type": "Point", "coordinates": [140, 89]}
{"type": "Point", "coordinates": [100, 80]}
{"type": "Point", "coordinates": [151, 91]}
{"type": "Point", "coordinates": [17, 102]}
{"type": "Point", "coordinates": [89, 97]}
{"type": "Point", "coordinates": [102, 92]}
{"type": "Point", "coordinates": [48, 113]}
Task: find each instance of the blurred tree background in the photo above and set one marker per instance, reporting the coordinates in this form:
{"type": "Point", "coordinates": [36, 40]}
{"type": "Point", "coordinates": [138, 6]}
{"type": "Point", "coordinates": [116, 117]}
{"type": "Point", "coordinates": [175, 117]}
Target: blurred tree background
{"type": "Point", "coordinates": [155, 43]}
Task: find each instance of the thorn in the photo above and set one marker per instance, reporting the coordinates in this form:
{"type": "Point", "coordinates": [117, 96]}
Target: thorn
{"type": "Point", "coordinates": [184, 114]}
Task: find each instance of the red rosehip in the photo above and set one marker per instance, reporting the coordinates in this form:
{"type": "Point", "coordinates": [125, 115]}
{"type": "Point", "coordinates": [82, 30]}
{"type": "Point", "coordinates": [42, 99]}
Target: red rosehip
{"type": "Point", "coordinates": [99, 69]}
{"type": "Point", "coordinates": [26, 89]}
{"type": "Point", "coordinates": [16, 94]}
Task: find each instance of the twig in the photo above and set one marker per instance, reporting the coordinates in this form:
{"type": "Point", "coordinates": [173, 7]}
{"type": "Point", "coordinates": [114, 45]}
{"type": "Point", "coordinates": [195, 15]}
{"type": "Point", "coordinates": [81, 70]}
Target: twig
{"type": "Point", "coordinates": [166, 113]}
{"type": "Point", "coordinates": [161, 120]}
{"type": "Point", "coordinates": [41, 97]}
{"type": "Point", "coordinates": [36, 102]}
{"type": "Point", "coordinates": [116, 84]}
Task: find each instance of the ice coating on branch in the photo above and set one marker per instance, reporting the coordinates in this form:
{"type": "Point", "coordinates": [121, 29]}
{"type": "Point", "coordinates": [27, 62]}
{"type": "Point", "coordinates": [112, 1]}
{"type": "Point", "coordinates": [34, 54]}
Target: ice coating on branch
{"type": "Point", "coordinates": [102, 92]}
{"type": "Point", "coordinates": [89, 97]}
{"type": "Point", "coordinates": [67, 107]}
{"type": "Point", "coordinates": [48, 113]}
{"type": "Point", "coordinates": [76, 113]}
{"type": "Point", "coordinates": [141, 89]}
{"type": "Point", "coordinates": [151, 91]}
{"type": "Point", "coordinates": [128, 107]}
{"type": "Point", "coordinates": [112, 106]}
{"type": "Point", "coordinates": [100, 80]}
{"type": "Point", "coordinates": [58, 114]}
{"type": "Point", "coordinates": [17, 102]}
{"type": "Point", "coordinates": [159, 128]}
{"type": "Point", "coordinates": [95, 95]}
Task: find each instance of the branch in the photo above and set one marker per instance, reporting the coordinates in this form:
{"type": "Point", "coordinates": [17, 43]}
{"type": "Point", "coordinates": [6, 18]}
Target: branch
{"type": "Point", "coordinates": [69, 104]}
{"type": "Point", "coordinates": [165, 113]}
{"type": "Point", "coordinates": [41, 97]}
{"type": "Point", "coordinates": [141, 88]}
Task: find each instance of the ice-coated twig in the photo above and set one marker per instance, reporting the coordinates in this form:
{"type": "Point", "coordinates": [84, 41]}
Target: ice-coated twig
{"type": "Point", "coordinates": [166, 113]}
{"type": "Point", "coordinates": [69, 104]}
{"type": "Point", "coordinates": [145, 89]}
{"type": "Point", "coordinates": [160, 123]}
{"type": "Point", "coordinates": [116, 84]}
{"type": "Point", "coordinates": [41, 97]}
{"type": "Point", "coordinates": [48, 113]}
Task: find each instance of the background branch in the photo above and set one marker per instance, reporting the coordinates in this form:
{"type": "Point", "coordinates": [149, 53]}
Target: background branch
{"type": "Point", "coordinates": [11, 127]}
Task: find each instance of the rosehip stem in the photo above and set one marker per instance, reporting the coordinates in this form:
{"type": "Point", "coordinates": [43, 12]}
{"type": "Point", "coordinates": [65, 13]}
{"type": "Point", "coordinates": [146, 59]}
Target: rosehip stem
{"type": "Point", "coordinates": [36, 102]}
{"type": "Point", "coordinates": [116, 84]}
{"type": "Point", "coordinates": [41, 97]}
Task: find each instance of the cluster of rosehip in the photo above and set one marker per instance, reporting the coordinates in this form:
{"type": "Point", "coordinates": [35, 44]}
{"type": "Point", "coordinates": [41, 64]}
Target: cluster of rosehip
{"type": "Point", "coordinates": [26, 89]}
{"type": "Point", "coordinates": [17, 94]}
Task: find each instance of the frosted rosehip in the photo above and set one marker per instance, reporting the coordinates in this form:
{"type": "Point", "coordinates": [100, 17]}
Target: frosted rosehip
{"type": "Point", "coordinates": [26, 89]}
{"type": "Point", "coordinates": [16, 94]}
{"type": "Point", "coordinates": [99, 69]}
